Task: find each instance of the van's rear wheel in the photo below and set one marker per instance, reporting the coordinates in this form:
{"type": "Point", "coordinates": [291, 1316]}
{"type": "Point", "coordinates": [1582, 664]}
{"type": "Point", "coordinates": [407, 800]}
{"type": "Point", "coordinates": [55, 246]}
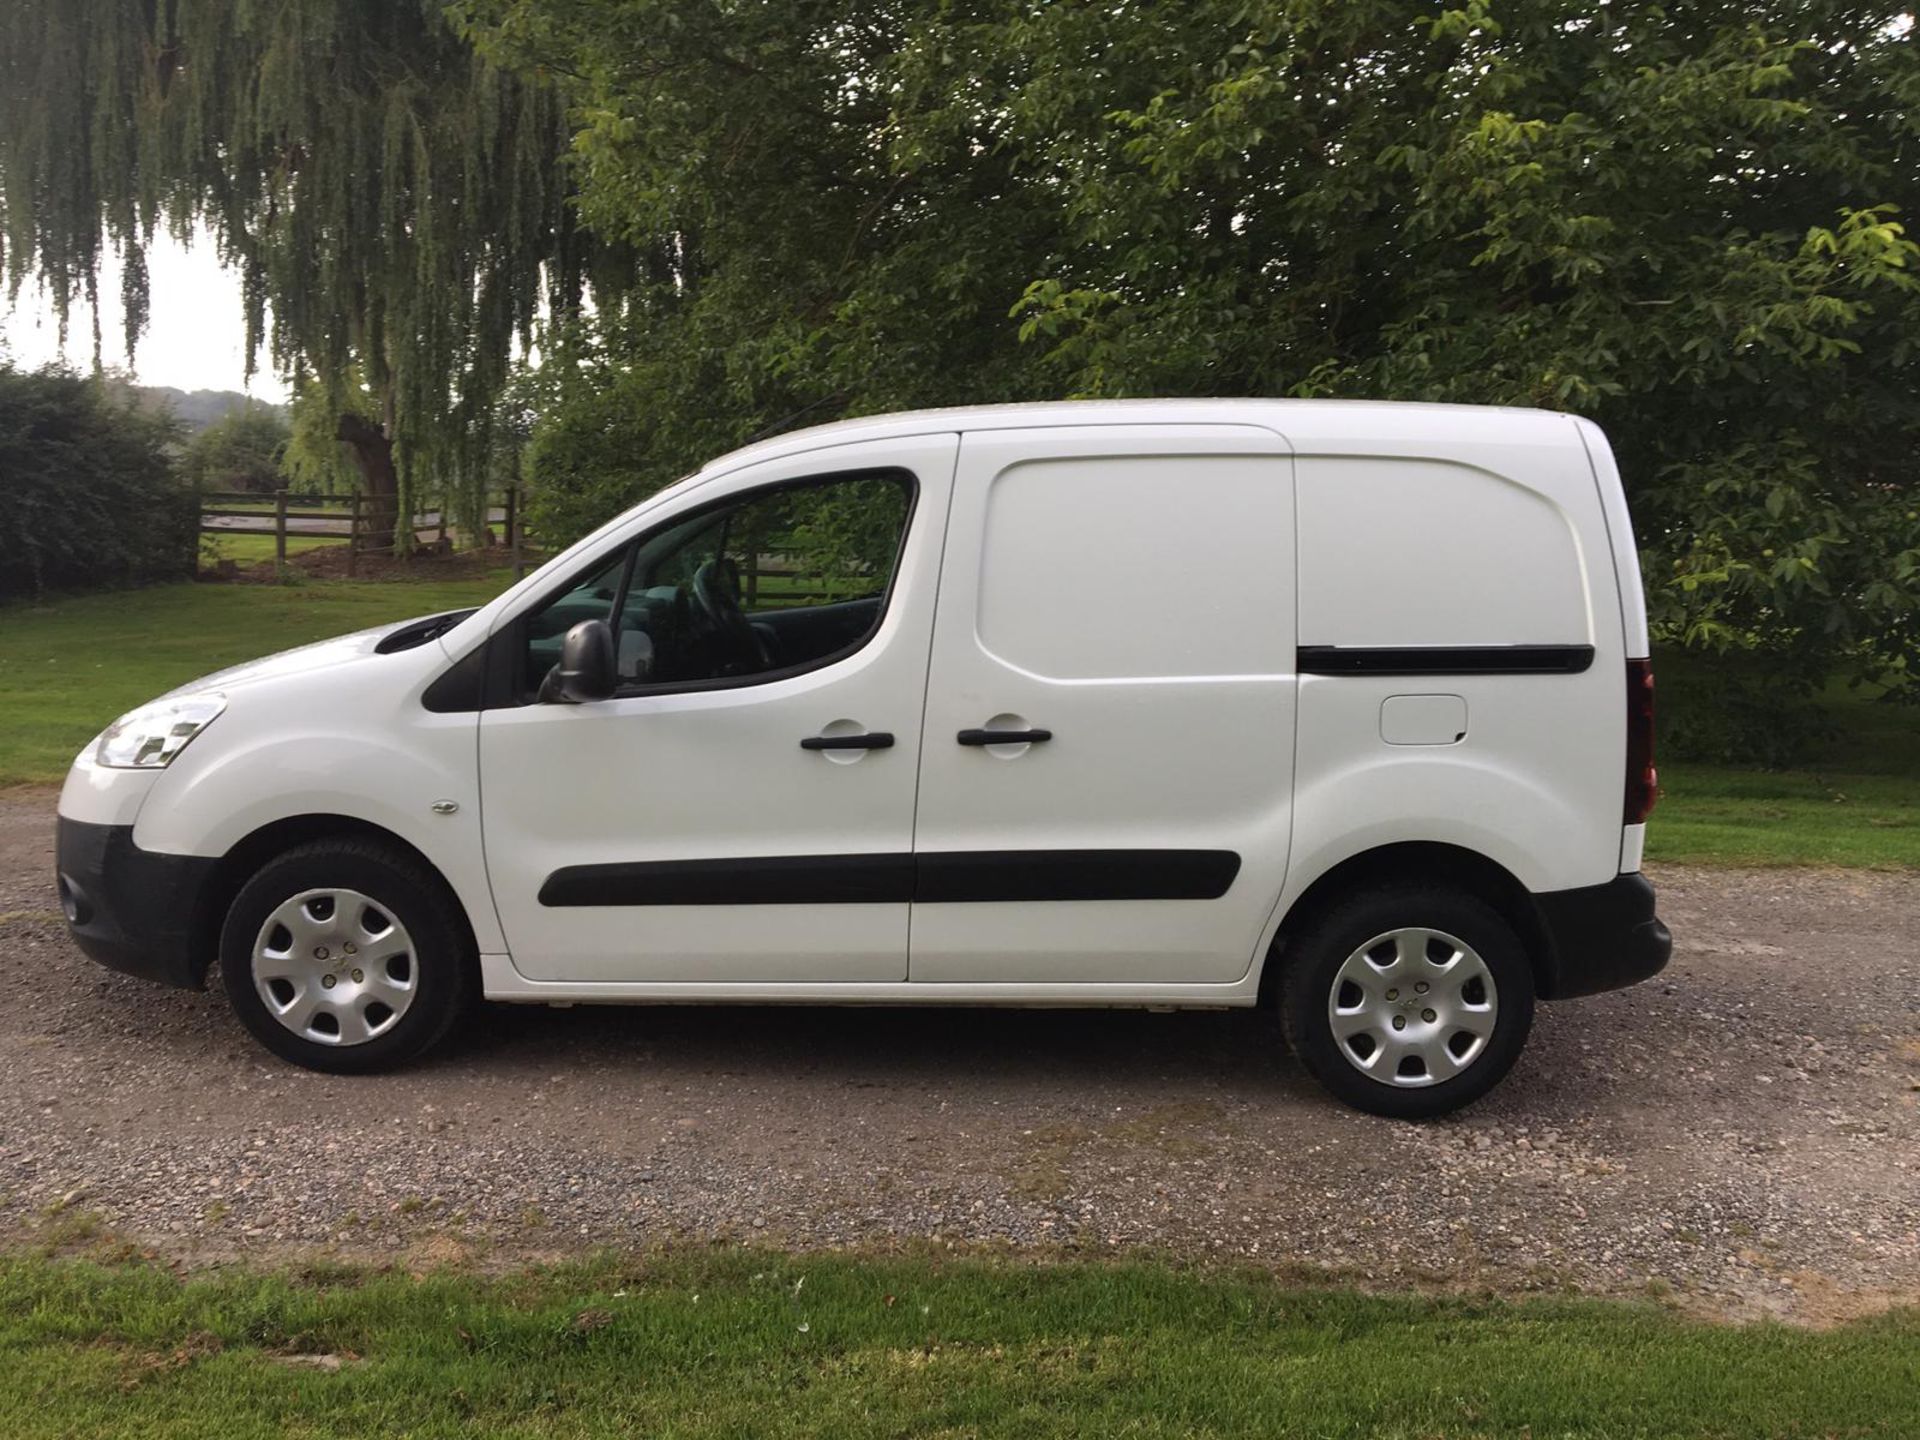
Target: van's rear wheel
{"type": "Point", "coordinates": [346, 956]}
{"type": "Point", "coordinates": [1407, 1002]}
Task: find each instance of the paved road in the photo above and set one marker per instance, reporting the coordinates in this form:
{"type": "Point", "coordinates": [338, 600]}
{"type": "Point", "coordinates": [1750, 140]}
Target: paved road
{"type": "Point", "coordinates": [1743, 1132]}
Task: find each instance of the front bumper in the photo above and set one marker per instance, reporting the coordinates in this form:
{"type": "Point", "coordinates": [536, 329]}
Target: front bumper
{"type": "Point", "coordinates": [1601, 937]}
{"type": "Point", "coordinates": [130, 909]}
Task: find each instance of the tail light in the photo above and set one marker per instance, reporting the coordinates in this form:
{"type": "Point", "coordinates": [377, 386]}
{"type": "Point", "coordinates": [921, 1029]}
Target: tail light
{"type": "Point", "coordinates": [1643, 781]}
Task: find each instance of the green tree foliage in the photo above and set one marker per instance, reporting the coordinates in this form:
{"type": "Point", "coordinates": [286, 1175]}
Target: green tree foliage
{"type": "Point", "coordinates": [835, 541]}
{"type": "Point", "coordinates": [791, 266]}
{"type": "Point", "coordinates": [395, 202]}
{"type": "Point", "coordinates": [846, 537]}
{"type": "Point", "coordinates": [1685, 220]}
{"type": "Point", "coordinates": [88, 495]}
{"type": "Point", "coordinates": [242, 450]}
{"type": "Point", "coordinates": [316, 460]}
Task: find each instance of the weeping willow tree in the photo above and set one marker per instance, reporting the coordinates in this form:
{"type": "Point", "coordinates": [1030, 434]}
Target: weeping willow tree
{"type": "Point", "coordinates": [397, 204]}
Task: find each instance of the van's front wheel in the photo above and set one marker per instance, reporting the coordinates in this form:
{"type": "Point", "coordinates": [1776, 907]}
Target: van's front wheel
{"type": "Point", "coordinates": [1407, 1002]}
{"type": "Point", "coordinates": [345, 956]}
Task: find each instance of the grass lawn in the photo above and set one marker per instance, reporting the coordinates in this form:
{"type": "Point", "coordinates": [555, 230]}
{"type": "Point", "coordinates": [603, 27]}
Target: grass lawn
{"type": "Point", "coordinates": [68, 667]}
{"type": "Point", "coordinates": [251, 549]}
{"type": "Point", "coordinates": [1856, 802]}
{"type": "Point", "coordinates": [755, 1343]}
{"type": "Point", "coordinates": [1811, 817]}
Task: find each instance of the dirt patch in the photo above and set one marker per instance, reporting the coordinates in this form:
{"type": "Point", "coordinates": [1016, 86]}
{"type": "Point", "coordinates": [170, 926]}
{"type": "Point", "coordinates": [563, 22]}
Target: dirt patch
{"type": "Point", "coordinates": [1740, 1136]}
{"type": "Point", "coordinates": [138, 1367]}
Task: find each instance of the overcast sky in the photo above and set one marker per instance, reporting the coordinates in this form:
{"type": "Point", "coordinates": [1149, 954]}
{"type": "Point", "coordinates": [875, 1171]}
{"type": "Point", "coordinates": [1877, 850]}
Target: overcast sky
{"type": "Point", "coordinates": [194, 339]}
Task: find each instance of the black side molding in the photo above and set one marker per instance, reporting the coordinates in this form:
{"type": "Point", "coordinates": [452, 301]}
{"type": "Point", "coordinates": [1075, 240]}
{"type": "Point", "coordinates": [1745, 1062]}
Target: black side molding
{"type": "Point", "coordinates": [941, 877]}
{"type": "Point", "coordinates": [769, 880]}
{"type": "Point", "coordinates": [985, 875]}
{"type": "Point", "coordinates": [1444, 659]}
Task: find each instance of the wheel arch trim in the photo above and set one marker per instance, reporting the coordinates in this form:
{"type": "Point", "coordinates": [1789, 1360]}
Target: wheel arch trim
{"type": "Point", "coordinates": [259, 846]}
{"type": "Point", "coordinates": [1406, 861]}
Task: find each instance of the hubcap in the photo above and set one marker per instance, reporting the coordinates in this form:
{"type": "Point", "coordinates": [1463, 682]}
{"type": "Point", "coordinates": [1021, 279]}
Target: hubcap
{"type": "Point", "coordinates": [1413, 1007]}
{"type": "Point", "coordinates": [334, 967]}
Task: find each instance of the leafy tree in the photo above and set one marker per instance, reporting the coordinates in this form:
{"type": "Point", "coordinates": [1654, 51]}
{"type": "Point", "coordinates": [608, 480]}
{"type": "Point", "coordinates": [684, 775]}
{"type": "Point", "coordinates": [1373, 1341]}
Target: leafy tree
{"type": "Point", "coordinates": [846, 537]}
{"type": "Point", "coordinates": [791, 266]}
{"type": "Point", "coordinates": [1686, 220]}
{"type": "Point", "coordinates": [240, 451]}
{"type": "Point", "coordinates": [397, 203]}
{"type": "Point", "coordinates": [88, 495]}
{"type": "Point", "coordinates": [317, 461]}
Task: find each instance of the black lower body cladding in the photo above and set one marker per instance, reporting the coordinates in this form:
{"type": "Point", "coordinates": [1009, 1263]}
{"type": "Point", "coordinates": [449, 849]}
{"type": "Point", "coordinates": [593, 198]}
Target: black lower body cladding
{"type": "Point", "coordinates": [130, 909]}
{"type": "Point", "coordinates": [1601, 937]}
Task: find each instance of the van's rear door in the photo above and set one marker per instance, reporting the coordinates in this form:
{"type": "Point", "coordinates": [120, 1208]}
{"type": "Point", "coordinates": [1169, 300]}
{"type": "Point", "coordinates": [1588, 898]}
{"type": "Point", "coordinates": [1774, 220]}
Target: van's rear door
{"type": "Point", "coordinates": [1106, 770]}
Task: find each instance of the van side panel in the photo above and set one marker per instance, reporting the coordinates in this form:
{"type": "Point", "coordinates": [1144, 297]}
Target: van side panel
{"type": "Point", "coordinates": [1418, 551]}
{"type": "Point", "coordinates": [1492, 562]}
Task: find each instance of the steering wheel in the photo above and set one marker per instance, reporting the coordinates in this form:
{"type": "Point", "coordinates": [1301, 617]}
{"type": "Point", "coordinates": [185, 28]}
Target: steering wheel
{"type": "Point", "coordinates": [716, 594]}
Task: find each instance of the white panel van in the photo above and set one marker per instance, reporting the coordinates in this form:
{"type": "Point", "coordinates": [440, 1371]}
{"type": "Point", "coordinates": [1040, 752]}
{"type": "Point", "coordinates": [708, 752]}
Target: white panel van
{"type": "Point", "coordinates": [1338, 708]}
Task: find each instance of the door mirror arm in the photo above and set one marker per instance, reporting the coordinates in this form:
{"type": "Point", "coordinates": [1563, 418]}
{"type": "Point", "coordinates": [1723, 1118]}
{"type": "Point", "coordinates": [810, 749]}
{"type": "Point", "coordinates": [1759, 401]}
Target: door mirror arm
{"type": "Point", "coordinates": [586, 670]}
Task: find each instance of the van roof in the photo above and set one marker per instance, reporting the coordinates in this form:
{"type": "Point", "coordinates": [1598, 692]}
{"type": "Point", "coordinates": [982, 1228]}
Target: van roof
{"type": "Point", "coordinates": [1300, 421]}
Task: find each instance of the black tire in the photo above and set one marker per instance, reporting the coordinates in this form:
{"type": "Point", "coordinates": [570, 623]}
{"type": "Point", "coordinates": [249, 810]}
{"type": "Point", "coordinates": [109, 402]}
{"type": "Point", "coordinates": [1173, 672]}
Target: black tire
{"type": "Point", "coordinates": [1313, 959]}
{"type": "Point", "coordinates": [439, 965]}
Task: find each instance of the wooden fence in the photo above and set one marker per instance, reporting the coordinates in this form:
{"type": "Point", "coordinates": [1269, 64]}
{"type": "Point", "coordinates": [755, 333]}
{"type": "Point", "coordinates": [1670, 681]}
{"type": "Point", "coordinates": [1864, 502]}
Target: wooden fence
{"type": "Point", "coordinates": [355, 519]}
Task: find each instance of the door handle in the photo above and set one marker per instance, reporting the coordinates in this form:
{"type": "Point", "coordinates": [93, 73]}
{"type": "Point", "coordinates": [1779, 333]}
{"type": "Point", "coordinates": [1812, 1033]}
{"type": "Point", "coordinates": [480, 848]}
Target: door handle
{"type": "Point", "coordinates": [1003, 737]}
{"type": "Point", "coordinates": [872, 740]}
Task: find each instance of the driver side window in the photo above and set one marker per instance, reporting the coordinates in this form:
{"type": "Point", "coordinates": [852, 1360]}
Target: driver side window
{"type": "Point", "coordinates": [769, 582]}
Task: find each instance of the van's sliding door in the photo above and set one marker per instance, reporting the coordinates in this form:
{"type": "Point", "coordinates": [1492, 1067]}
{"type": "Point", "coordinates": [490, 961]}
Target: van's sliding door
{"type": "Point", "coordinates": [1107, 765]}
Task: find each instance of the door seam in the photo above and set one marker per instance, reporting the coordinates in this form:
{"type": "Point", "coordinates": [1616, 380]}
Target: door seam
{"type": "Point", "coordinates": [926, 680]}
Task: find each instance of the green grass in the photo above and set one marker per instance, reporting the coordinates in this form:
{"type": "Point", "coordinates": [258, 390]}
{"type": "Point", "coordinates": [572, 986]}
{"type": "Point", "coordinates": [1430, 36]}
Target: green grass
{"type": "Point", "coordinates": [1855, 802]}
{"type": "Point", "coordinates": [69, 666]}
{"type": "Point", "coordinates": [755, 1343]}
{"type": "Point", "coordinates": [1711, 815]}
{"type": "Point", "coordinates": [251, 549]}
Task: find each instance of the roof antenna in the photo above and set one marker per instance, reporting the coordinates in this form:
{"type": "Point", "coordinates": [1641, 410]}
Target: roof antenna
{"type": "Point", "coordinates": [786, 420]}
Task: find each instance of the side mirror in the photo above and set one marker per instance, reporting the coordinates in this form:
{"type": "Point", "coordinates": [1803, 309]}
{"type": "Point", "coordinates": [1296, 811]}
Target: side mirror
{"type": "Point", "coordinates": [586, 668]}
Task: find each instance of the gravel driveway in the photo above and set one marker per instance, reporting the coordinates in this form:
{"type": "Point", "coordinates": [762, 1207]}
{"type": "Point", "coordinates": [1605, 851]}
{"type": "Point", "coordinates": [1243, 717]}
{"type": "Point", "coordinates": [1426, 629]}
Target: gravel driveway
{"type": "Point", "coordinates": [1743, 1132]}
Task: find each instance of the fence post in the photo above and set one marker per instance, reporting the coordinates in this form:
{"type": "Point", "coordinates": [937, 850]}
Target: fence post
{"type": "Point", "coordinates": [280, 526]}
{"type": "Point", "coordinates": [353, 536]}
{"type": "Point", "coordinates": [513, 530]}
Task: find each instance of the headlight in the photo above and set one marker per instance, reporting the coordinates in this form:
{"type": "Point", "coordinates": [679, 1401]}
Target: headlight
{"type": "Point", "coordinates": [149, 738]}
